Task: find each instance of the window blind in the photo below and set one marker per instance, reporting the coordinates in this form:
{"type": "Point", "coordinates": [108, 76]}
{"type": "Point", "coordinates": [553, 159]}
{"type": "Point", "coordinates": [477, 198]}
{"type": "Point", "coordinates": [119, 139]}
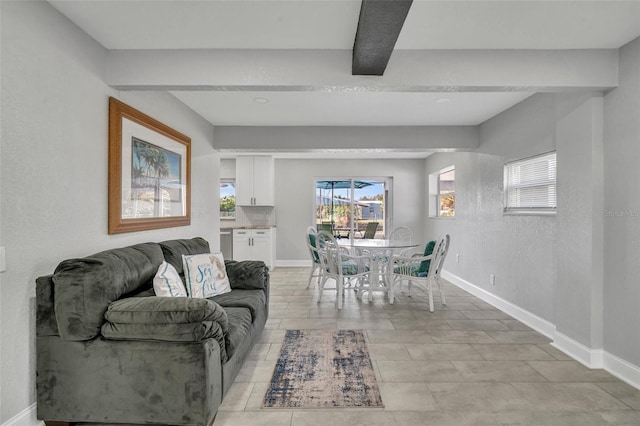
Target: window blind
{"type": "Point", "coordinates": [530, 184]}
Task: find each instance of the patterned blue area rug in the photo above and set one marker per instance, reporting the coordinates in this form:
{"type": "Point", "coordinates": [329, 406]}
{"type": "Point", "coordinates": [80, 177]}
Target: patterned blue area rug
{"type": "Point", "coordinates": [323, 369]}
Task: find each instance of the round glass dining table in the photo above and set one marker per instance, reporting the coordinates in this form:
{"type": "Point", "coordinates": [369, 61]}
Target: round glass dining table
{"type": "Point", "coordinates": [380, 251]}
{"type": "Point", "coordinates": [375, 244]}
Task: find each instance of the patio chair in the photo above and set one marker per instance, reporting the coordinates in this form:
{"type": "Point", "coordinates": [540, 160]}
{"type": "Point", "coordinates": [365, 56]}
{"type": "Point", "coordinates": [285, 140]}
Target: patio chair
{"type": "Point", "coordinates": [422, 270]}
{"type": "Point", "coordinates": [316, 265]}
{"type": "Point", "coordinates": [340, 266]}
{"type": "Point", "coordinates": [325, 226]}
{"type": "Point", "coordinates": [370, 232]}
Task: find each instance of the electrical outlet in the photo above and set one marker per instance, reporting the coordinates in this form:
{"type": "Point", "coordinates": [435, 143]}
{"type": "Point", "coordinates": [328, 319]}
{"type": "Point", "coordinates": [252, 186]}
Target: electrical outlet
{"type": "Point", "coordinates": [492, 279]}
{"type": "Point", "coordinates": [457, 258]}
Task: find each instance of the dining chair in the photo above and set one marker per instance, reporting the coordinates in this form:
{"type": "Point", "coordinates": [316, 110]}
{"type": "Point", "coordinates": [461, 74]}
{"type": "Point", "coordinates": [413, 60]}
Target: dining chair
{"type": "Point", "coordinates": [339, 265]}
{"type": "Point", "coordinates": [370, 232]}
{"type": "Point", "coordinates": [316, 264]}
{"type": "Point", "coordinates": [401, 233]}
{"type": "Point", "coordinates": [422, 270]}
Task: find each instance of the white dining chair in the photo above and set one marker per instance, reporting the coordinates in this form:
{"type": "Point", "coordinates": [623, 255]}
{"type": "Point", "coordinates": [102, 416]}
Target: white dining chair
{"type": "Point", "coordinates": [316, 265]}
{"type": "Point", "coordinates": [401, 233]}
{"type": "Point", "coordinates": [421, 270]}
{"type": "Point", "coordinates": [340, 266]}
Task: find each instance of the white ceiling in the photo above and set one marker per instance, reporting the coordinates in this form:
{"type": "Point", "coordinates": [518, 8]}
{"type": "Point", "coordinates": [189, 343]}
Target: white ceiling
{"type": "Point", "coordinates": [347, 108]}
{"type": "Point", "coordinates": [308, 24]}
{"type": "Point", "coordinates": [327, 24]}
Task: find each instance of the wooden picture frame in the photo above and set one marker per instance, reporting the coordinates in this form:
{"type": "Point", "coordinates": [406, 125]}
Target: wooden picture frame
{"type": "Point", "coordinates": [149, 172]}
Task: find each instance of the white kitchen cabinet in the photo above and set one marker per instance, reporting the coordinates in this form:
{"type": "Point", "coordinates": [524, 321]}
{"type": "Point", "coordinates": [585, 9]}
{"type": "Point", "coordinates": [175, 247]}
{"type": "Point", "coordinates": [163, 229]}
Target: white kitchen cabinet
{"type": "Point", "coordinates": [255, 181]}
{"type": "Point", "coordinates": [254, 244]}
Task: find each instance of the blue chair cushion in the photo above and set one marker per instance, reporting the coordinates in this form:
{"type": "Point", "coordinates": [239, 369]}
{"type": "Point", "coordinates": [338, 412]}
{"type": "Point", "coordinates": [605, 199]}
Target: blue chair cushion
{"type": "Point", "coordinates": [409, 269]}
{"type": "Point", "coordinates": [349, 267]}
{"type": "Point", "coordinates": [312, 241]}
{"type": "Point", "coordinates": [424, 265]}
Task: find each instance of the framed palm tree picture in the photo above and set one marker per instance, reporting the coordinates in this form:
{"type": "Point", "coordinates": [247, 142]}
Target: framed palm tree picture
{"type": "Point", "coordinates": [149, 172]}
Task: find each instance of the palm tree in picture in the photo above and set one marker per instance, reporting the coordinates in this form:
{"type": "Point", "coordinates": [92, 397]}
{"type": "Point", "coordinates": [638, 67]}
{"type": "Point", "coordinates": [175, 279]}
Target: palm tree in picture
{"type": "Point", "coordinates": [162, 171]}
{"type": "Point", "coordinates": [157, 167]}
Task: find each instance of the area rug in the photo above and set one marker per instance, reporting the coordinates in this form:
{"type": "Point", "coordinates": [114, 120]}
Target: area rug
{"type": "Point", "coordinates": [323, 369]}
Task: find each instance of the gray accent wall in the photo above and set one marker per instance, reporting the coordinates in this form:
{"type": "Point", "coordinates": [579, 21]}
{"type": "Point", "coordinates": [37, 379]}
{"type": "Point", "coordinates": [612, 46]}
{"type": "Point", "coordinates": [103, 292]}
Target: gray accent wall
{"type": "Point", "coordinates": [54, 173]}
{"type": "Point", "coordinates": [622, 210]}
{"type": "Point", "coordinates": [518, 250]}
{"type": "Point", "coordinates": [577, 293]}
{"type": "Point", "coordinates": [577, 269]}
{"type": "Point", "coordinates": [295, 191]}
{"type": "Point", "coordinates": [297, 138]}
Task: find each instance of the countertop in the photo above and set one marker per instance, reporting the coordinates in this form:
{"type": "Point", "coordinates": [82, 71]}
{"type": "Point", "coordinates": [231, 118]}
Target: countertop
{"type": "Point", "coordinates": [225, 226]}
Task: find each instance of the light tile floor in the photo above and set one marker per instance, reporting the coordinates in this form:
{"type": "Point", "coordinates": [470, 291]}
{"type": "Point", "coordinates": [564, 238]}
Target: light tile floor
{"type": "Point", "coordinates": [467, 363]}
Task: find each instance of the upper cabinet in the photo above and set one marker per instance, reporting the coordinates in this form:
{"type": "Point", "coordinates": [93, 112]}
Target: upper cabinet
{"type": "Point", "coordinates": [255, 181]}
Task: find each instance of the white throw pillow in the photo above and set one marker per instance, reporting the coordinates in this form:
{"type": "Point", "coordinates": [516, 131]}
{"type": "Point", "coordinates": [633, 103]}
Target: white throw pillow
{"type": "Point", "coordinates": [205, 275]}
{"type": "Point", "coordinates": [167, 282]}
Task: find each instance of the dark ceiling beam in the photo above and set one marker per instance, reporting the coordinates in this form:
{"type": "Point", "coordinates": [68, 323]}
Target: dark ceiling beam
{"type": "Point", "coordinates": [378, 29]}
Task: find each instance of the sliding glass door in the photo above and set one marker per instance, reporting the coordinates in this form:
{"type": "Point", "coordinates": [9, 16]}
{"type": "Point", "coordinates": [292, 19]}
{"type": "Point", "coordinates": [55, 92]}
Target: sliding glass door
{"type": "Point", "coordinates": [348, 206]}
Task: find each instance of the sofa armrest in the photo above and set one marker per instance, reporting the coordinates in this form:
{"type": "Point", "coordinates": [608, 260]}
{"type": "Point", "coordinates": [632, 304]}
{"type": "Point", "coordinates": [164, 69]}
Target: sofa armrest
{"type": "Point", "coordinates": [167, 319]}
{"type": "Point", "coordinates": [181, 332]}
{"type": "Point", "coordinates": [247, 274]}
{"type": "Point", "coordinates": [165, 310]}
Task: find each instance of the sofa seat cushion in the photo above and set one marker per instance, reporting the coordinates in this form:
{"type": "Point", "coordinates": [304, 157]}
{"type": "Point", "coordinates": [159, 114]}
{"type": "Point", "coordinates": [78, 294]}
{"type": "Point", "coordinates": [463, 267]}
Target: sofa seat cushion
{"type": "Point", "coordinates": [239, 326]}
{"type": "Point", "coordinates": [84, 288]}
{"type": "Point", "coordinates": [254, 300]}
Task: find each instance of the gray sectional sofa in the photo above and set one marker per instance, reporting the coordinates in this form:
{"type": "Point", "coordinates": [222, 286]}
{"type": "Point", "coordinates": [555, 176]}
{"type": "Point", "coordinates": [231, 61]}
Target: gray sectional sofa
{"type": "Point", "coordinates": [109, 351]}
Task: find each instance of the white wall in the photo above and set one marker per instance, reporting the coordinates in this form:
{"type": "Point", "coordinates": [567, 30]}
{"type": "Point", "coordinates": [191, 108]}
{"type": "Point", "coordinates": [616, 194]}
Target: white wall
{"type": "Point", "coordinates": [295, 191]}
{"type": "Point", "coordinates": [54, 172]}
{"type": "Point", "coordinates": [622, 224]}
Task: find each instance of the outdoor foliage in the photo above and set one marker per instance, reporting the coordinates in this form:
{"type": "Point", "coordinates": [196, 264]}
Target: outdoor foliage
{"type": "Point", "coordinates": [448, 205]}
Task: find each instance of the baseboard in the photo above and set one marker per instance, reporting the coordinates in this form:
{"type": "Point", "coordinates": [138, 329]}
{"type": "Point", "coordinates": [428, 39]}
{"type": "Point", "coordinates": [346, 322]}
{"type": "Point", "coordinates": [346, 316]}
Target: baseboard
{"type": "Point", "coordinates": [539, 324]}
{"type": "Point", "coordinates": [592, 358]}
{"type": "Point", "coordinates": [293, 263]}
{"type": "Point", "coordinates": [622, 369]}
{"type": "Point", "coordinates": [27, 417]}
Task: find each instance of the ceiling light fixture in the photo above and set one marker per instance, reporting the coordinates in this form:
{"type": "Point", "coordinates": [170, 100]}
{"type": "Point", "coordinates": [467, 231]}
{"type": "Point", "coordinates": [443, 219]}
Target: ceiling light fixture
{"type": "Point", "coordinates": [261, 100]}
{"type": "Point", "coordinates": [443, 100]}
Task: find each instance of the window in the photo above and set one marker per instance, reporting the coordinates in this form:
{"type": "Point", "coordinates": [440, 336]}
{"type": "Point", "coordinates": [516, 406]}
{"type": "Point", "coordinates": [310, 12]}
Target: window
{"type": "Point", "coordinates": [348, 204]}
{"type": "Point", "coordinates": [442, 191]}
{"type": "Point", "coordinates": [530, 184]}
{"type": "Point", "coordinates": [227, 199]}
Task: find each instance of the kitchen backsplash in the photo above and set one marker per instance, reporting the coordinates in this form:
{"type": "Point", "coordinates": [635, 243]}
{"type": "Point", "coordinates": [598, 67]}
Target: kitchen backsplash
{"type": "Point", "coordinates": [252, 216]}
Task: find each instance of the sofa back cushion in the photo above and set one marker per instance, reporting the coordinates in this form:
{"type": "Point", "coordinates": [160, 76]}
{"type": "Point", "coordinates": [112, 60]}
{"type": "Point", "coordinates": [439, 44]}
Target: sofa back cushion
{"type": "Point", "coordinates": [84, 288]}
{"type": "Point", "coordinates": [174, 249]}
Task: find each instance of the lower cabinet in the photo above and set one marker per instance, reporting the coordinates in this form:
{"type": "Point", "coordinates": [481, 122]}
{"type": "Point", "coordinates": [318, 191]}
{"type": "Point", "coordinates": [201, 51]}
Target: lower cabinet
{"type": "Point", "coordinates": [254, 244]}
